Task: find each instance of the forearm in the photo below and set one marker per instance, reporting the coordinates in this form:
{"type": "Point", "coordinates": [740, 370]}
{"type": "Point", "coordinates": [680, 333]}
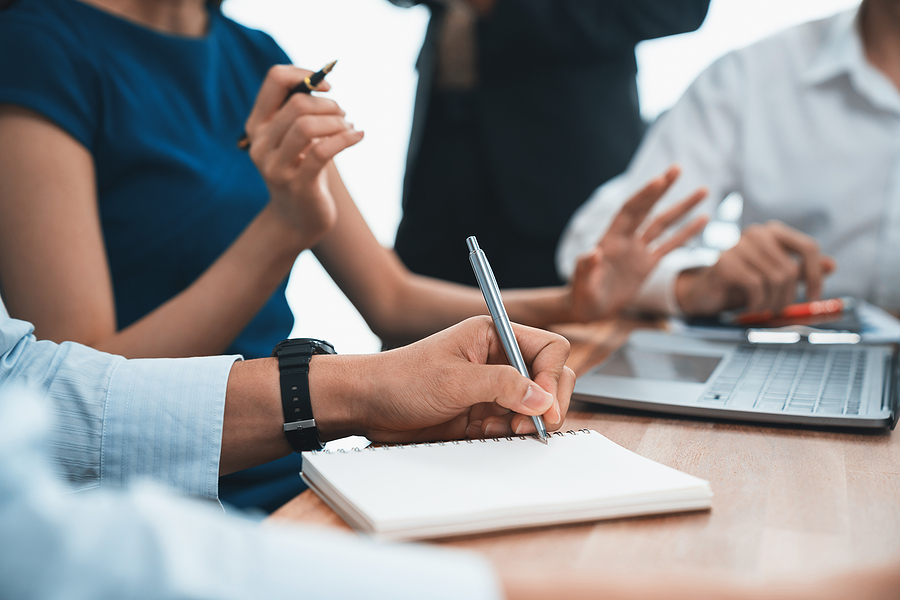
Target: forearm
{"type": "Point", "coordinates": [417, 306]}
{"type": "Point", "coordinates": [206, 317]}
{"type": "Point", "coordinates": [435, 304]}
{"type": "Point", "coordinates": [253, 430]}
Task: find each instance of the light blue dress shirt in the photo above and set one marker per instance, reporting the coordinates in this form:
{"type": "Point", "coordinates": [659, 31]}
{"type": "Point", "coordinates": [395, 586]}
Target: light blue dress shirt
{"type": "Point", "coordinates": [155, 426]}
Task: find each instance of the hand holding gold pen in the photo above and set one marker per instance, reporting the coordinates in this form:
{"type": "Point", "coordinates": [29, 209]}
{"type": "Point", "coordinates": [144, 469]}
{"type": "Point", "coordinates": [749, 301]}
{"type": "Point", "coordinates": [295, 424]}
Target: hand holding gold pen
{"type": "Point", "coordinates": [293, 144]}
{"type": "Point", "coordinates": [308, 85]}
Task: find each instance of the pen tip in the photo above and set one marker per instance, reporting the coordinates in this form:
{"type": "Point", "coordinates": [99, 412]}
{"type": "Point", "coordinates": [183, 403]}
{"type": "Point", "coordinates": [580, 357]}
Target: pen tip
{"type": "Point", "coordinates": [327, 68]}
{"type": "Point", "coordinates": [543, 440]}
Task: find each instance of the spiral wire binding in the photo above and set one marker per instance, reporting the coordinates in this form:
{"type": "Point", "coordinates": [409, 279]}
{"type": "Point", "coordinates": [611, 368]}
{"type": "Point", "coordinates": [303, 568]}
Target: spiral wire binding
{"type": "Point", "coordinates": [508, 438]}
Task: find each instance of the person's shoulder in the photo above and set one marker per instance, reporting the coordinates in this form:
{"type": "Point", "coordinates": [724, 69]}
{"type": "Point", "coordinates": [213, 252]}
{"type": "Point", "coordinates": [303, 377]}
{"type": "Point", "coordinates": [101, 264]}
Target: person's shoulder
{"type": "Point", "coordinates": [43, 21]}
{"type": "Point", "coordinates": [46, 34]}
{"type": "Point", "coordinates": [252, 41]}
{"type": "Point", "coordinates": [788, 53]}
{"type": "Point", "coordinates": [49, 65]}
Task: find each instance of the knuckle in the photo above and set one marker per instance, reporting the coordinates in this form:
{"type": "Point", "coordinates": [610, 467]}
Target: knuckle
{"type": "Point", "coordinates": [257, 153]}
{"type": "Point", "coordinates": [753, 230]}
{"type": "Point", "coordinates": [783, 279]}
{"type": "Point", "coordinates": [752, 237]}
{"type": "Point", "coordinates": [304, 126]}
{"type": "Point", "coordinates": [774, 225]}
{"type": "Point", "coordinates": [726, 263]}
{"type": "Point", "coordinates": [297, 102]}
{"type": "Point", "coordinates": [754, 282]}
{"type": "Point", "coordinates": [328, 104]}
{"type": "Point", "coordinates": [270, 172]}
{"type": "Point", "coordinates": [320, 152]}
{"type": "Point", "coordinates": [279, 73]}
{"type": "Point", "coordinates": [506, 380]}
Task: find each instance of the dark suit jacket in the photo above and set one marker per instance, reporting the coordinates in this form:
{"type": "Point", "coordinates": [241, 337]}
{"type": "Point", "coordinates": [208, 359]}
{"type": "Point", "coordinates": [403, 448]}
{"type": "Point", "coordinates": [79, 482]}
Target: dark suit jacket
{"type": "Point", "coordinates": [557, 97]}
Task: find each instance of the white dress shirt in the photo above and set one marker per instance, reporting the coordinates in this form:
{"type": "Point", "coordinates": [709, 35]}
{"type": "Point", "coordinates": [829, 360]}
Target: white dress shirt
{"type": "Point", "coordinates": [156, 425]}
{"type": "Point", "coordinates": [806, 130]}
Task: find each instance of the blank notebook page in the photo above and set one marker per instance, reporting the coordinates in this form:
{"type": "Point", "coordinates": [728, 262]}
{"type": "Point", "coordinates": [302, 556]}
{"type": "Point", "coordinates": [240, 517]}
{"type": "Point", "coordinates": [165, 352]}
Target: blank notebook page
{"type": "Point", "coordinates": [435, 490]}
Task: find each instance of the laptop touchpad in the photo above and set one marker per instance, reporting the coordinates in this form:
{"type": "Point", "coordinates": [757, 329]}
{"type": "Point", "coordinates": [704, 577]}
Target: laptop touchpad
{"type": "Point", "coordinates": [665, 366]}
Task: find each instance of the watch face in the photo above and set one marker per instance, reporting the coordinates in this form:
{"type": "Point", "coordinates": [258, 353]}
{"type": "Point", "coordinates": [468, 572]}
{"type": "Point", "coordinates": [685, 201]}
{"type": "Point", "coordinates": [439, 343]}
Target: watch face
{"type": "Point", "coordinates": [323, 347]}
{"type": "Point", "coordinates": [304, 345]}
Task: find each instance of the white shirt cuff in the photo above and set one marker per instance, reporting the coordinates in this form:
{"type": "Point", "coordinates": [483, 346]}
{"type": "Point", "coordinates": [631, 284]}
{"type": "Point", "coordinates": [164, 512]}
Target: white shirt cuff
{"type": "Point", "coordinates": [658, 293]}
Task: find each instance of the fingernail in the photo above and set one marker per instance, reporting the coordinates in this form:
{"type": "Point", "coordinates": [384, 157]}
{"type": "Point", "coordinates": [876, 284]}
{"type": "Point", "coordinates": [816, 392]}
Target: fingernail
{"type": "Point", "coordinates": [524, 428]}
{"type": "Point", "coordinates": [553, 415]}
{"type": "Point", "coordinates": [536, 398]}
{"type": "Point", "coordinates": [495, 429]}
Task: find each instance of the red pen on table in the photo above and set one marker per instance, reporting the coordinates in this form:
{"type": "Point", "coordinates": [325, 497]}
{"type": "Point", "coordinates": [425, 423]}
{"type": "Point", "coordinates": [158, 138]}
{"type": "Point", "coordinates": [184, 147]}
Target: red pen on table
{"type": "Point", "coordinates": [791, 311]}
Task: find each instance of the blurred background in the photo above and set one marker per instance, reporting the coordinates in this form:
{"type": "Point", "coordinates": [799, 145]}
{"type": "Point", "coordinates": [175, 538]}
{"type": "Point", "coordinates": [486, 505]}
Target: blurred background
{"type": "Point", "coordinates": [376, 45]}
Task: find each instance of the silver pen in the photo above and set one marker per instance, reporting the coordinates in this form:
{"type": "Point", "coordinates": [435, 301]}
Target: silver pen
{"type": "Point", "coordinates": [491, 292]}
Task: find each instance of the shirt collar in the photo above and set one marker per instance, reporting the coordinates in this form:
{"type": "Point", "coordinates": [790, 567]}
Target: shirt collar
{"type": "Point", "coordinates": [841, 52]}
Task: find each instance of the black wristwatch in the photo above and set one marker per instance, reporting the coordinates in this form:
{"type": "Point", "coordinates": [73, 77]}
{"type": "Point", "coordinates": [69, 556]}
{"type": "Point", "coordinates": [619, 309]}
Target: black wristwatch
{"type": "Point", "coordinates": [293, 362]}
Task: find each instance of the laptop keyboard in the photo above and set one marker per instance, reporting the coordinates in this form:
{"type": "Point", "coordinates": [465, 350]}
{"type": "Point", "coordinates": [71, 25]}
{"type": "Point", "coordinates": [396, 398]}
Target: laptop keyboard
{"type": "Point", "coordinates": [791, 379]}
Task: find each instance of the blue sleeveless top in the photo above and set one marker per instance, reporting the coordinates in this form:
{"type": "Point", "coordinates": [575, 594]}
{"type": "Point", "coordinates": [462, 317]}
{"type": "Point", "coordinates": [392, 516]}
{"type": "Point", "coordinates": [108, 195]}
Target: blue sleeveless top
{"type": "Point", "coordinates": [160, 114]}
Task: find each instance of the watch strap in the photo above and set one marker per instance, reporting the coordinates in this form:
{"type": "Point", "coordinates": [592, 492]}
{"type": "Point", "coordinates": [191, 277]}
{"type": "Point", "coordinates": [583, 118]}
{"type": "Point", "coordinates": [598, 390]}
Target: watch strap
{"type": "Point", "coordinates": [294, 356]}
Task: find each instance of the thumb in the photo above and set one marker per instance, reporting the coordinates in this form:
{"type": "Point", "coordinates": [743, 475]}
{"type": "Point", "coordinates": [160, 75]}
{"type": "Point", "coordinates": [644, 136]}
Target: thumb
{"type": "Point", "coordinates": [503, 385]}
{"type": "Point", "coordinates": [589, 261]}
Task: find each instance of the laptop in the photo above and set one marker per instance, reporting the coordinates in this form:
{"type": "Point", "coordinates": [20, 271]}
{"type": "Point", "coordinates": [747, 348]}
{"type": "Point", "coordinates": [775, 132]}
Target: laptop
{"type": "Point", "coordinates": [840, 385]}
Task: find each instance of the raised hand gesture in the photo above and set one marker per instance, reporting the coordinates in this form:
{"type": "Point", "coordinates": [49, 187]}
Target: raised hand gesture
{"type": "Point", "coordinates": [610, 275]}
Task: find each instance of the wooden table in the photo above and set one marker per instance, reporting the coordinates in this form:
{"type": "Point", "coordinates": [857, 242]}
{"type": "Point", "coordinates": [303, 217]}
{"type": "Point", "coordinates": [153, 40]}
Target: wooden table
{"type": "Point", "coordinates": [787, 501]}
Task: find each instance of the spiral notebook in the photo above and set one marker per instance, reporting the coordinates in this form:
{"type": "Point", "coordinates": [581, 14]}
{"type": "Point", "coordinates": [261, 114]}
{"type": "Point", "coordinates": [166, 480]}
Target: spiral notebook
{"type": "Point", "coordinates": [422, 491]}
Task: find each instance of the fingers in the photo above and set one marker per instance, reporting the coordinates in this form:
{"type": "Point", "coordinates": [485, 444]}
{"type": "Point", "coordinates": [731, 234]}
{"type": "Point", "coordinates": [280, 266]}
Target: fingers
{"type": "Point", "coordinates": [735, 270]}
{"type": "Point", "coordinates": [307, 130]}
{"type": "Point", "coordinates": [769, 261]}
{"type": "Point", "coordinates": [547, 394]}
{"type": "Point", "coordinates": [781, 269]}
{"type": "Point", "coordinates": [279, 81]}
{"type": "Point", "coordinates": [545, 354]}
{"type": "Point", "coordinates": [638, 206]}
{"type": "Point", "coordinates": [553, 419]}
{"type": "Point", "coordinates": [324, 150]}
{"type": "Point", "coordinates": [679, 238]}
{"type": "Point", "coordinates": [808, 250]}
{"type": "Point", "coordinates": [673, 215]}
{"type": "Point", "coordinates": [587, 264]}
{"type": "Point", "coordinates": [276, 108]}
{"type": "Point", "coordinates": [301, 110]}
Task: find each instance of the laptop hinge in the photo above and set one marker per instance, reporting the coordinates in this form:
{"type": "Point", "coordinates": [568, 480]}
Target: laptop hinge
{"type": "Point", "coordinates": [891, 395]}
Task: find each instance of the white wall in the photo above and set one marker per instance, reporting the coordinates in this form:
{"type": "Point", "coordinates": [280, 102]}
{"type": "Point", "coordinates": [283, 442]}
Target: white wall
{"type": "Point", "coordinates": [376, 42]}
